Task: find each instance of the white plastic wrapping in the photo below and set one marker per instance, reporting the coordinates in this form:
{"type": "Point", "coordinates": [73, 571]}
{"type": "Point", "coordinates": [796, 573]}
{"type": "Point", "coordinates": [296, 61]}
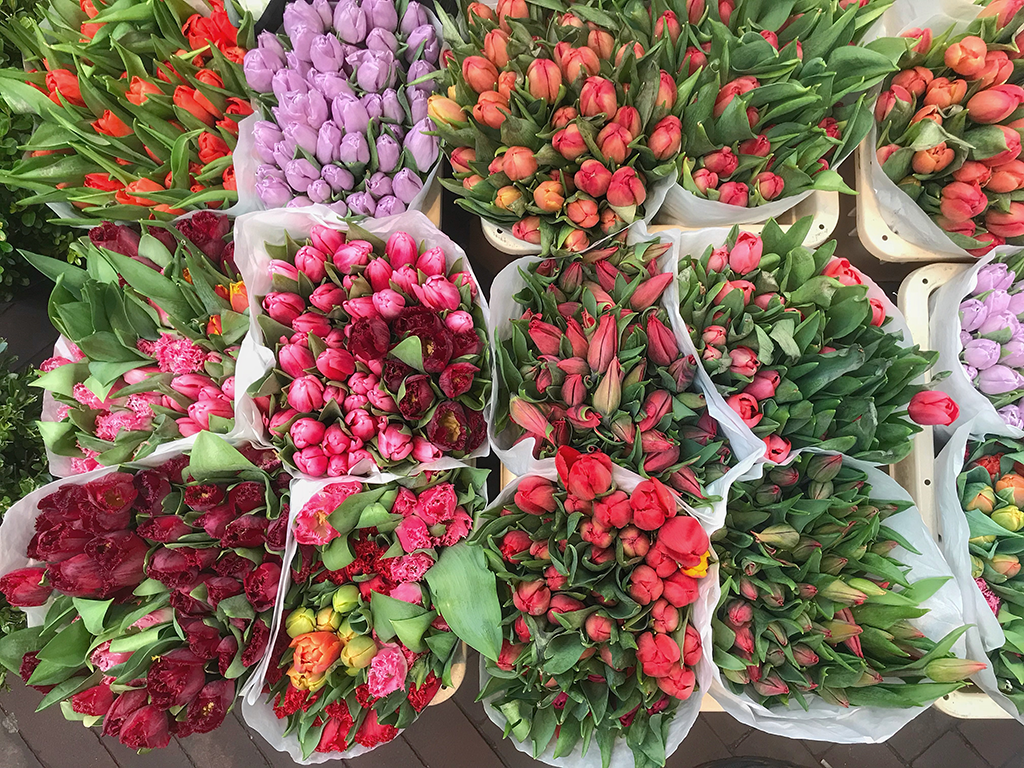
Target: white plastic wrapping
{"type": "Point", "coordinates": [952, 533]}
{"type": "Point", "coordinates": [863, 725]}
{"type": "Point", "coordinates": [254, 231]}
{"type": "Point", "coordinates": [686, 209]}
{"type": "Point", "coordinates": [702, 611]}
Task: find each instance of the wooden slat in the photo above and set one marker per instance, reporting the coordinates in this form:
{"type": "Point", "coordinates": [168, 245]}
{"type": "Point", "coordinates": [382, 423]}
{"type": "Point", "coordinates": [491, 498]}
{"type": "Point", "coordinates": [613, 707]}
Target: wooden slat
{"type": "Point", "coordinates": [230, 746]}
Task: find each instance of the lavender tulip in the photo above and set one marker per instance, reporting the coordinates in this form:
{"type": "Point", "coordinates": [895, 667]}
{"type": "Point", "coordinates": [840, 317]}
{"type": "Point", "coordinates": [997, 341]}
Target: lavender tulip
{"type": "Point", "coordinates": [339, 208]}
{"type": "Point", "coordinates": [421, 147]}
{"type": "Point", "coordinates": [1016, 304]}
{"type": "Point", "coordinates": [273, 192]}
{"type": "Point", "coordinates": [419, 69]}
{"type": "Point", "coordinates": [999, 326]}
{"type": "Point", "coordinates": [287, 84]}
{"type": "Point", "coordinates": [381, 14]}
{"type": "Point", "coordinates": [388, 153]}
{"type": "Point", "coordinates": [379, 185]}
{"type": "Point", "coordinates": [259, 70]}
{"type": "Point", "coordinates": [350, 22]}
{"type": "Point", "coordinates": [301, 13]}
{"type": "Point", "coordinates": [964, 338]}
{"type": "Point", "coordinates": [981, 353]}
{"type": "Point", "coordinates": [302, 39]}
{"type": "Point", "coordinates": [993, 277]}
{"type": "Point", "coordinates": [265, 135]}
{"type": "Point", "coordinates": [1013, 354]}
{"type": "Point", "coordinates": [328, 143]}
{"type": "Point", "coordinates": [373, 104]}
{"type": "Point", "coordinates": [309, 109]}
{"type": "Point", "coordinates": [1011, 416]}
{"type": "Point", "coordinates": [972, 314]}
{"type": "Point", "coordinates": [284, 152]}
{"type": "Point", "coordinates": [325, 53]}
{"type": "Point", "coordinates": [354, 150]}
{"type": "Point", "coordinates": [326, 13]}
{"type": "Point", "coordinates": [413, 17]}
{"type": "Point", "coordinates": [389, 206]}
{"type": "Point", "coordinates": [330, 84]}
{"type": "Point", "coordinates": [997, 301]}
{"type": "Point", "coordinates": [376, 72]}
{"type": "Point", "coordinates": [269, 172]}
{"type": "Point", "coordinates": [317, 110]}
{"type": "Point", "coordinates": [300, 173]}
{"type": "Point", "coordinates": [271, 46]}
{"type": "Point", "coordinates": [998, 380]}
{"type": "Point", "coordinates": [354, 60]}
{"type": "Point", "coordinates": [299, 202]}
{"type": "Point", "coordinates": [417, 105]}
{"type": "Point", "coordinates": [381, 40]}
{"type": "Point", "coordinates": [348, 112]}
{"type": "Point", "coordinates": [319, 191]}
{"type": "Point", "coordinates": [303, 136]}
{"type": "Point", "coordinates": [361, 204]}
{"type": "Point", "coordinates": [391, 107]}
{"type": "Point", "coordinates": [338, 178]}
{"type": "Point", "coordinates": [972, 373]}
{"type": "Point", "coordinates": [423, 44]}
{"type": "Point", "coordinates": [406, 185]}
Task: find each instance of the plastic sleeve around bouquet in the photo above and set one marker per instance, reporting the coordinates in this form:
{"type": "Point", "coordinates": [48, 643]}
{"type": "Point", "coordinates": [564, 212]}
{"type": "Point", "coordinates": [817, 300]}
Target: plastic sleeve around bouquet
{"type": "Point", "coordinates": [952, 533]}
{"type": "Point", "coordinates": [254, 231]}
{"type": "Point", "coordinates": [687, 209]}
{"type": "Point", "coordinates": [703, 611]}
{"type": "Point", "coordinates": [863, 725]}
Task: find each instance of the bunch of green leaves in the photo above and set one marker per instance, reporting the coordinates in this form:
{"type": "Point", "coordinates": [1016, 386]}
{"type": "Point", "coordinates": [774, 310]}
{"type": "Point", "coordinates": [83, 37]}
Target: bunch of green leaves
{"type": "Point", "coordinates": [810, 582]}
{"type": "Point", "coordinates": [851, 399]}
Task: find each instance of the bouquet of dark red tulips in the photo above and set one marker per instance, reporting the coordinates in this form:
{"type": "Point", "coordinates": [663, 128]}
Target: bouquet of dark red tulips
{"type": "Point", "coordinates": [157, 584]}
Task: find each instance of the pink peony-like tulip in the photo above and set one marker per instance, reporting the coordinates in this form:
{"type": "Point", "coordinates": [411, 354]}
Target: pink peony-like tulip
{"type": "Point", "coordinates": [1006, 224]}
{"type": "Point", "coordinates": [283, 307]}
{"type": "Point", "coordinates": [734, 193]}
{"type": "Point", "coordinates": [310, 261]}
{"type": "Point", "coordinates": [311, 461]}
{"type": "Point", "coordinates": [306, 394]}
{"type": "Point", "coordinates": [961, 201]}
{"type": "Point", "coordinates": [394, 443]}
{"type": "Point", "coordinates": [626, 188]}
{"type": "Point", "coordinates": [306, 432]}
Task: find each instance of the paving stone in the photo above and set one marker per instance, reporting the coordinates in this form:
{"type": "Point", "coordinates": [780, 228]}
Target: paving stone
{"type": "Point", "coordinates": [817, 748]}
{"type": "Point", "coordinates": [862, 756]}
{"type": "Point", "coordinates": [727, 728]}
{"type": "Point", "coordinates": [14, 752]}
{"type": "Point", "coordinates": [995, 740]}
{"type": "Point", "coordinates": [394, 754]}
{"type": "Point", "coordinates": [921, 732]}
{"type": "Point", "coordinates": [431, 738]}
{"type": "Point", "coordinates": [701, 745]}
{"type": "Point", "coordinates": [759, 744]}
{"type": "Point", "coordinates": [273, 758]}
{"type": "Point", "coordinates": [465, 696]}
{"type": "Point", "coordinates": [230, 746]}
{"type": "Point", "coordinates": [950, 750]}
{"type": "Point", "coordinates": [170, 756]}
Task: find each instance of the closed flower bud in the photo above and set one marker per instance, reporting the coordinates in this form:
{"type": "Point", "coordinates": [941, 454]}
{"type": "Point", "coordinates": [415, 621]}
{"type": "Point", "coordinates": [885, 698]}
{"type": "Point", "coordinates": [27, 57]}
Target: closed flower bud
{"type": "Point", "coordinates": [1010, 517]}
{"type": "Point", "coordinates": [543, 80]}
{"type": "Point", "coordinates": [781, 536]}
{"type": "Point", "coordinates": [769, 185]}
{"type": "Point", "coordinates": [823, 466]}
{"type": "Point", "coordinates": [548, 196]}
{"type": "Point", "coordinates": [358, 652]}
{"type": "Point", "coordinates": [967, 57]}
{"type": "Point", "coordinates": [445, 111]}
{"type": "Point", "coordinates": [944, 93]}
{"type": "Point", "coordinates": [666, 138]}
{"type": "Point", "coordinates": [300, 622]}
{"type": "Point", "coordinates": [952, 670]}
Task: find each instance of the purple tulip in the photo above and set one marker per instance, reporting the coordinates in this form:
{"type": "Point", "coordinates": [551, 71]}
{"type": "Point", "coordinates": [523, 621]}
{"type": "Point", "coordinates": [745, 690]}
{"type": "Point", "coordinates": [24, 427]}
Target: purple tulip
{"type": "Point", "coordinates": [350, 22]}
{"type": "Point", "coordinates": [272, 192]}
{"type": "Point", "coordinates": [265, 135]}
{"type": "Point", "coordinates": [972, 373]}
{"type": "Point", "coordinates": [361, 204]}
{"type": "Point", "coordinates": [1016, 304]}
{"type": "Point", "coordinates": [1000, 325]}
{"type": "Point", "coordinates": [421, 147]}
{"type": "Point", "coordinates": [354, 150]}
{"type": "Point", "coordinates": [326, 13]}
{"type": "Point", "coordinates": [388, 153]}
{"type": "Point", "coordinates": [309, 108]}
{"type": "Point", "coordinates": [284, 152]}
{"type": "Point", "coordinates": [288, 84]}
{"type": "Point", "coordinates": [302, 40]}
{"type": "Point", "coordinates": [413, 17]}
{"type": "Point", "coordinates": [972, 314]}
{"type": "Point", "coordinates": [328, 142]}
{"type": "Point", "coordinates": [325, 53]}
{"type": "Point", "coordinates": [998, 380]}
{"type": "Point", "coordinates": [391, 107]}
{"type": "Point", "coordinates": [349, 112]}
{"type": "Point", "coordinates": [300, 173]}
{"type": "Point", "coordinates": [381, 14]}
{"type": "Point", "coordinates": [373, 104]}
{"type": "Point", "coordinates": [269, 172]}
{"type": "Point", "coordinates": [423, 44]}
{"type": "Point", "coordinates": [406, 185]}
{"type": "Point", "coordinates": [997, 301]}
{"type": "Point", "coordinates": [1011, 416]}
{"type": "Point", "coordinates": [339, 179]}
{"type": "Point", "coordinates": [389, 206]}
{"type": "Point", "coordinates": [259, 69]}
{"type": "Point", "coordinates": [981, 353]}
{"type": "Point", "coordinates": [319, 191]}
{"type": "Point", "coordinates": [300, 66]}
{"type": "Point", "coordinates": [339, 208]}
{"type": "Point", "coordinates": [302, 135]}
{"type": "Point", "coordinates": [964, 338]}
{"type": "Point", "coordinates": [376, 72]}
{"type": "Point", "coordinates": [417, 104]}
{"type": "Point", "coordinates": [417, 70]}
{"type": "Point", "coordinates": [380, 39]}
{"type": "Point", "coordinates": [1013, 354]}
{"type": "Point", "coordinates": [330, 84]}
{"type": "Point", "coordinates": [354, 60]}
{"type": "Point", "coordinates": [993, 277]}
{"type": "Point", "coordinates": [379, 185]}
{"type": "Point", "coordinates": [299, 202]}
{"type": "Point", "coordinates": [271, 46]}
{"type": "Point", "coordinates": [299, 14]}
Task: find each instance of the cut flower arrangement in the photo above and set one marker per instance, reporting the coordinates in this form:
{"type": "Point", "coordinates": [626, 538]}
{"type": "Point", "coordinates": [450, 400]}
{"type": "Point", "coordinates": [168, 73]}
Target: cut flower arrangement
{"type": "Point", "coordinates": [602, 580]}
{"type": "Point", "coordinates": [380, 353]}
{"type": "Point", "coordinates": [362, 648]}
{"type": "Point", "coordinates": [158, 584]}
{"type": "Point", "coordinates": [147, 128]}
{"type": "Point", "coordinates": [151, 328]}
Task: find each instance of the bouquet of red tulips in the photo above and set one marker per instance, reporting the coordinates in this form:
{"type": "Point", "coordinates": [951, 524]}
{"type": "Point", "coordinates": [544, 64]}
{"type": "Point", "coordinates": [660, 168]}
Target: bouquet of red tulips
{"type": "Point", "coordinates": [949, 133]}
{"type": "Point", "coordinates": [803, 348]}
{"type": "Point", "coordinates": [151, 329]}
{"type": "Point", "coordinates": [380, 360]}
{"type": "Point", "coordinates": [158, 584]}
{"type": "Point", "coordinates": [605, 594]}
{"type": "Point", "coordinates": [138, 105]}
{"type": "Point", "coordinates": [362, 648]}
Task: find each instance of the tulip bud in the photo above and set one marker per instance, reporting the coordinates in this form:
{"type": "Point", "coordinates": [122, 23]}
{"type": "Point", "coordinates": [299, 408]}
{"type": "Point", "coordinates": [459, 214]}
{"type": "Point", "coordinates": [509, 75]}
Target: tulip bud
{"type": "Point", "coordinates": [781, 536]}
{"type": "Point", "coordinates": [952, 670]}
{"type": "Point", "coordinates": [543, 80]}
{"type": "Point", "coordinates": [608, 394]}
{"type": "Point", "coordinates": [995, 104]}
{"type": "Point", "coordinates": [345, 599]}
{"type": "Point", "coordinates": [569, 142]}
{"type": "Point", "coordinates": [358, 652]}
{"type": "Point", "coordinates": [840, 592]}
{"type": "Point", "coordinates": [1011, 518]}
{"type": "Point", "coordinates": [597, 97]}
{"type": "Point", "coordinates": [823, 467]}
{"type": "Point", "coordinates": [933, 160]}
{"type": "Point", "coordinates": [301, 621]}
{"type": "Point", "coordinates": [748, 589]}
{"type": "Point", "coordinates": [1005, 565]}
{"type": "Point", "coordinates": [445, 111]}
{"type": "Point", "coordinates": [769, 185]}
{"type": "Point", "coordinates": [666, 138]}
{"type": "Point", "coordinates": [967, 57]}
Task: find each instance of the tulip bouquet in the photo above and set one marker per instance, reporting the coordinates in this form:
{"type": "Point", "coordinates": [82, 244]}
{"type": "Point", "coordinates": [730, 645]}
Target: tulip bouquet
{"type": "Point", "coordinates": [151, 330]}
{"type": "Point", "coordinates": [557, 122]}
{"type": "Point", "coordinates": [601, 579]}
{"type": "Point", "coordinates": [381, 359]}
{"type": "Point", "coordinates": [159, 583]}
{"type": "Point", "coordinates": [349, 105]}
{"type": "Point", "coordinates": [800, 352]}
{"type": "Point", "coordinates": [590, 361]}
{"type": "Point", "coordinates": [991, 494]}
{"type": "Point", "coordinates": [948, 129]}
{"type": "Point", "coordinates": [362, 648]}
{"type": "Point", "coordinates": [147, 127]}
{"type": "Point", "coordinates": [816, 601]}
{"type": "Point", "coordinates": [992, 338]}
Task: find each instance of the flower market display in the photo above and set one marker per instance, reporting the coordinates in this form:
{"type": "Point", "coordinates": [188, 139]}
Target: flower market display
{"type": "Point", "coordinates": [147, 127]}
{"type": "Point", "coordinates": [152, 327]}
{"type": "Point", "coordinates": [816, 599]}
{"type": "Point", "coordinates": [991, 492]}
{"type": "Point", "coordinates": [344, 93]}
{"type": "Point", "coordinates": [949, 129]}
{"type": "Point", "coordinates": [381, 357]}
{"type": "Point", "coordinates": [590, 360]}
{"type": "Point", "coordinates": [800, 352]}
{"type": "Point", "coordinates": [157, 583]}
{"type": "Point", "coordinates": [599, 580]}
{"type": "Point", "coordinates": [362, 648]}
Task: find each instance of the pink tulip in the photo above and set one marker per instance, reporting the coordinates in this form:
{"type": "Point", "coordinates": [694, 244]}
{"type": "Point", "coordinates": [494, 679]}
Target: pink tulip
{"type": "Point", "coordinates": [190, 384]}
{"type": "Point", "coordinates": [228, 388]}
{"type": "Point", "coordinates": [438, 293]}
{"type": "Point", "coordinates": [361, 424]}
{"type": "Point", "coordinates": [335, 364]}
{"type": "Point", "coordinates": [295, 360]}
{"type": "Point", "coordinates": [201, 411]}
{"type": "Point", "coordinates": [459, 321]}
{"type": "Point", "coordinates": [745, 256]}
{"type": "Point", "coordinates": [283, 268]}
{"type": "Point", "coordinates": [306, 432]}
{"type": "Point", "coordinates": [335, 442]}
{"type": "Point", "coordinates": [378, 272]}
{"type": "Point", "coordinates": [733, 193]}
{"type": "Point", "coordinates": [327, 296]}
{"type": "Point", "coordinates": [361, 383]}
{"type": "Point", "coordinates": [388, 303]}
{"type": "Point", "coordinates": [311, 322]}
{"type": "Point", "coordinates": [764, 385]}
{"type": "Point", "coordinates": [432, 262]}
{"type": "Point", "coordinates": [361, 306]}
{"type": "Point", "coordinates": [278, 422]}
{"type": "Point", "coordinates": [311, 461]}
{"type": "Point", "coordinates": [283, 307]}
{"type": "Point", "coordinates": [310, 261]}
{"type": "Point", "coordinates": [425, 451]}
{"type": "Point", "coordinates": [306, 394]}
{"type": "Point", "coordinates": [394, 443]}
{"type": "Point", "coordinates": [187, 427]}
{"type": "Point", "coordinates": [401, 250]}
{"type": "Point", "coordinates": [382, 401]}
{"type": "Point", "coordinates": [326, 239]}
{"type": "Point", "coordinates": [137, 375]}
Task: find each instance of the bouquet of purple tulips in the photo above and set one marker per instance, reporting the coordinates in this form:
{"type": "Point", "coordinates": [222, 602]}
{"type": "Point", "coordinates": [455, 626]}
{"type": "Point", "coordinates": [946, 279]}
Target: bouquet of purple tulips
{"type": "Point", "coordinates": [344, 89]}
